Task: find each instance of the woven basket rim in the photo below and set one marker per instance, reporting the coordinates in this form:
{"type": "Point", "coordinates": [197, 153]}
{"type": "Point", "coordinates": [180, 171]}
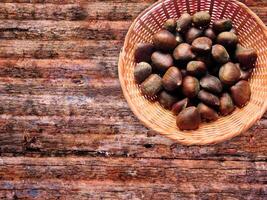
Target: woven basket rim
{"type": "Point", "coordinates": [146, 123]}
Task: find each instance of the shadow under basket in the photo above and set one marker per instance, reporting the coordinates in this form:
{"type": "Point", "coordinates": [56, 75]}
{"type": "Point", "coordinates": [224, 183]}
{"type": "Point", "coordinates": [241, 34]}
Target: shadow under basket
{"type": "Point", "coordinates": [252, 33]}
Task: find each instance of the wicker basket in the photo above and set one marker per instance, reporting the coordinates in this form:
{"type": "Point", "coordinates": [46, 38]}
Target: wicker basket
{"type": "Point", "coordinates": [252, 33]}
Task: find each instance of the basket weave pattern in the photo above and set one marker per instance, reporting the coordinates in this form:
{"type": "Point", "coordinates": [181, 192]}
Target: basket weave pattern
{"type": "Point", "coordinates": [252, 33]}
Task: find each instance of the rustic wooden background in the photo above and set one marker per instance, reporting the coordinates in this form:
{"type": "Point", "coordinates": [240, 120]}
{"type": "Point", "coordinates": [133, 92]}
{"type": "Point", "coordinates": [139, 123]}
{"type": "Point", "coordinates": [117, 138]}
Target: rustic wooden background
{"type": "Point", "coordinates": [66, 131]}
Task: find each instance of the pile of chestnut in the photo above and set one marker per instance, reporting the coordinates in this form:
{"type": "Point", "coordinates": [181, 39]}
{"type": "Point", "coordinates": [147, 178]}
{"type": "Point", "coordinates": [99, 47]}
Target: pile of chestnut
{"type": "Point", "coordinates": [197, 70]}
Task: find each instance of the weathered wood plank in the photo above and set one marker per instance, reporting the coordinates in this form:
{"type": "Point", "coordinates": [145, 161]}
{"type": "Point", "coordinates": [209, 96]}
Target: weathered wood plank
{"type": "Point", "coordinates": [77, 70]}
{"type": "Point", "coordinates": [134, 170]}
{"type": "Point", "coordinates": [117, 136]}
{"type": "Point", "coordinates": [79, 49]}
{"type": "Point", "coordinates": [89, 86]}
{"type": "Point", "coordinates": [63, 30]}
{"type": "Point", "coordinates": [42, 11]}
{"type": "Point", "coordinates": [56, 105]}
{"type": "Point", "coordinates": [78, 1]}
{"type": "Point", "coordinates": [91, 177]}
{"type": "Point", "coordinates": [50, 189]}
{"type": "Point", "coordinates": [89, 11]}
{"type": "Point", "coordinates": [247, 2]}
{"type": "Point", "coordinates": [68, 30]}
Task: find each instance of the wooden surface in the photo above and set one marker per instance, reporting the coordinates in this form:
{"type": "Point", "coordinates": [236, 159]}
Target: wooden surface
{"type": "Point", "coordinates": [66, 131]}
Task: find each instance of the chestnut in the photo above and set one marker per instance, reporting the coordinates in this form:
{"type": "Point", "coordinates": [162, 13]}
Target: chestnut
{"type": "Point", "coordinates": [201, 19]}
{"type": "Point", "coordinates": [183, 52]}
{"type": "Point", "coordinates": [211, 84]}
{"type": "Point", "coordinates": [241, 93]}
{"type": "Point", "coordinates": [245, 56]}
{"type": "Point", "coordinates": [207, 114]}
{"type": "Point", "coordinates": [179, 106]}
{"type": "Point", "coordinates": [227, 39]}
{"type": "Point", "coordinates": [184, 22]}
{"type": "Point", "coordinates": [172, 79]}
{"type": "Point", "coordinates": [170, 25]}
{"type": "Point", "coordinates": [202, 45]}
{"type": "Point", "coordinates": [161, 61]}
{"type": "Point", "coordinates": [208, 98]}
{"type": "Point", "coordinates": [226, 104]}
{"type": "Point", "coordinates": [222, 25]}
{"type": "Point", "coordinates": [142, 71]}
{"type": "Point", "coordinates": [229, 73]}
{"type": "Point", "coordinates": [196, 68]}
{"type": "Point", "coordinates": [188, 119]}
{"type": "Point", "coordinates": [190, 87]}
{"type": "Point", "coordinates": [143, 52]}
{"type": "Point", "coordinates": [192, 34]}
{"type": "Point", "coordinates": [167, 100]}
{"type": "Point", "coordinates": [152, 85]}
{"type": "Point", "coordinates": [220, 54]}
{"type": "Point", "coordinates": [164, 40]}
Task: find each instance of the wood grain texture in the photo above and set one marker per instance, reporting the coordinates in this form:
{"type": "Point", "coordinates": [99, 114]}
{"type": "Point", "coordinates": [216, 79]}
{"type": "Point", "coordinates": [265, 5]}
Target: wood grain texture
{"type": "Point", "coordinates": [73, 12]}
{"type": "Point", "coordinates": [66, 131]}
{"type": "Point", "coordinates": [63, 30]}
{"type": "Point", "coordinates": [132, 178]}
{"type": "Point", "coordinates": [54, 189]}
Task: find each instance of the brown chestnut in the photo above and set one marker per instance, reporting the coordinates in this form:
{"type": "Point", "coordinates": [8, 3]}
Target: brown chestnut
{"type": "Point", "coordinates": [179, 106]}
{"type": "Point", "coordinates": [229, 73]}
{"type": "Point", "coordinates": [143, 52]}
{"type": "Point", "coordinates": [207, 114]}
{"type": "Point", "coordinates": [167, 100]}
{"type": "Point", "coordinates": [196, 68]}
{"type": "Point", "coordinates": [201, 19]}
{"type": "Point", "coordinates": [161, 61]}
{"type": "Point", "coordinates": [183, 52]}
{"type": "Point", "coordinates": [202, 45]}
{"type": "Point", "coordinates": [170, 25]}
{"type": "Point", "coordinates": [211, 84]}
{"type": "Point", "coordinates": [188, 119]}
{"type": "Point", "coordinates": [208, 98]}
{"type": "Point", "coordinates": [222, 25]}
{"type": "Point", "coordinates": [152, 85]}
{"type": "Point", "coordinates": [190, 86]}
{"type": "Point", "coordinates": [142, 71]}
{"type": "Point", "coordinates": [192, 34]}
{"type": "Point", "coordinates": [226, 104]}
{"type": "Point", "coordinates": [172, 79]}
{"type": "Point", "coordinates": [227, 39]}
{"type": "Point", "coordinates": [164, 40]}
{"type": "Point", "coordinates": [220, 54]}
{"type": "Point", "coordinates": [184, 22]}
{"type": "Point", "coordinates": [246, 56]}
{"type": "Point", "coordinates": [241, 93]}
